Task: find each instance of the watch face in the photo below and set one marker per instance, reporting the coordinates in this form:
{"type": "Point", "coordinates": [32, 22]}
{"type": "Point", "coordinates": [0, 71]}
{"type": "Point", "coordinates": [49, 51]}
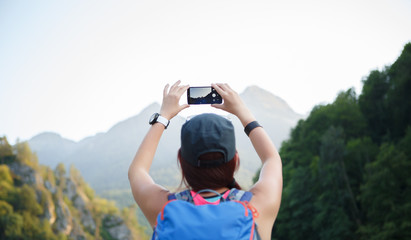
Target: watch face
{"type": "Point", "coordinates": [153, 118]}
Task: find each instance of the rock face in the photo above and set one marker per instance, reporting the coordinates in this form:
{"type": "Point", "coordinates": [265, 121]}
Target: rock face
{"type": "Point", "coordinates": [116, 227]}
{"type": "Point", "coordinates": [63, 222]}
{"type": "Point", "coordinates": [77, 231]}
{"type": "Point", "coordinates": [65, 204]}
{"type": "Point", "coordinates": [26, 173]}
{"type": "Point", "coordinates": [79, 203]}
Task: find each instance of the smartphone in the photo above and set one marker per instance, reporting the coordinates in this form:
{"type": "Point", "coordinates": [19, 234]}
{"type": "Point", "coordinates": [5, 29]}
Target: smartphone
{"type": "Point", "coordinates": [203, 95]}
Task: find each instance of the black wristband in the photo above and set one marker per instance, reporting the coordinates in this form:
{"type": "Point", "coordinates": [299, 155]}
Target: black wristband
{"type": "Point", "coordinates": [250, 127]}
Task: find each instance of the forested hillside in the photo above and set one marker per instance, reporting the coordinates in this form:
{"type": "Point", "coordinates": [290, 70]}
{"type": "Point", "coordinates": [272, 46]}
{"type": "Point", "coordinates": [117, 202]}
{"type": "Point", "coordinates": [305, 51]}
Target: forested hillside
{"type": "Point", "coordinates": [37, 202]}
{"type": "Point", "coordinates": [347, 166]}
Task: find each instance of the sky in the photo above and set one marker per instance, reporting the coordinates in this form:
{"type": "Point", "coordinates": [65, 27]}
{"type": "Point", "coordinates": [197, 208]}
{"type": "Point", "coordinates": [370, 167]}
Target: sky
{"type": "Point", "coordinates": [79, 67]}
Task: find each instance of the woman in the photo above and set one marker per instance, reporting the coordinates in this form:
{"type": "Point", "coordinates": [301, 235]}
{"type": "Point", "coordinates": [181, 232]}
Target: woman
{"type": "Point", "coordinates": [266, 191]}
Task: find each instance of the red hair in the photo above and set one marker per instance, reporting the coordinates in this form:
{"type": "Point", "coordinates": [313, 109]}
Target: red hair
{"type": "Point", "coordinates": [198, 178]}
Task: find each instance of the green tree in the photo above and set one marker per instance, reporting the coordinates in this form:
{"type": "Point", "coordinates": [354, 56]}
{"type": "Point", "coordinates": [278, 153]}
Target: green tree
{"type": "Point", "coordinates": [373, 105]}
{"type": "Point", "coordinates": [5, 148]}
{"type": "Point", "coordinates": [6, 182]}
{"type": "Point", "coordinates": [11, 224]}
{"type": "Point", "coordinates": [36, 229]}
{"type": "Point", "coordinates": [5, 174]}
{"type": "Point", "coordinates": [399, 94]}
{"type": "Point", "coordinates": [24, 154]}
{"type": "Point", "coordinates": [6, 151]}
{"type": "Point", "coordinates": [335, 198]}
{"type": "Point", "coordinates": [24, 199]}
{"type": "Point", "coordinates": [385, 196]}
{"type": "Point", "coordinates": [358, 153]}
{"type": "Point", "coordinates": [386, 99]}
{"type": "Point", "coordinates": [297, 208]}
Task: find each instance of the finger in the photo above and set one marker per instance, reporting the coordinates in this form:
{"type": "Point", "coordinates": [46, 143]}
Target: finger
{"type": "Point", "coordinates": [228, 87]}
{"type": "Point", "coordinates": [222, 86]}
{"type": "Point", "coordinates": [184, 106]}
{"type": "Point", "coordinates": [218, 88]}
{"type": "Point", "coordinates": [175, 85]}
{"type": "Point", "coordinates": [165, 91]}
{"type": "Point", "coordinates": [182, 89]}
{"type": "Point", "coordinates": [218, 106]}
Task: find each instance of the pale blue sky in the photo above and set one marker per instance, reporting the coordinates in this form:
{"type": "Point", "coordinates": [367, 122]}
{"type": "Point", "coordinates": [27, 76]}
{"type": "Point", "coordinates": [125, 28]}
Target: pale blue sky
{"type": "Point", "coordinates": [79, 67]}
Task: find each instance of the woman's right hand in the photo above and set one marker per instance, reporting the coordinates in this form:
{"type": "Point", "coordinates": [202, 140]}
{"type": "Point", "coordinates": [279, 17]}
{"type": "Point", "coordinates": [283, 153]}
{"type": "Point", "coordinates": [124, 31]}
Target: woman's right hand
{"type": "Point", "coordinates": [233, 103]}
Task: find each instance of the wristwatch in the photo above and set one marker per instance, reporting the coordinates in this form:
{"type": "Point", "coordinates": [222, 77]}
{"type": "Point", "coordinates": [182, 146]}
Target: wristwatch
{"type": "Point", "coordinates": [157, 118]}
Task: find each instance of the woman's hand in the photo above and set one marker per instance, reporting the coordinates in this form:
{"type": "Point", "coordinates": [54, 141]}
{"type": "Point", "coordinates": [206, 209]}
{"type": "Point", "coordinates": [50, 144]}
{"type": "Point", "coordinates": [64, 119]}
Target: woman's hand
{"type": "Point", "coordinates": [171, 98]}
{"type": "Point", "coordinates": [232, 103]}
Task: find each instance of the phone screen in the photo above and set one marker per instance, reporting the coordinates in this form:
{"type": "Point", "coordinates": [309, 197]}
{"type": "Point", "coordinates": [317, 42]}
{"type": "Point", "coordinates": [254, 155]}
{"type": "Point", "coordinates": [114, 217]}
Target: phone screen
{"type": "Point", "coordinates": [203, 95]}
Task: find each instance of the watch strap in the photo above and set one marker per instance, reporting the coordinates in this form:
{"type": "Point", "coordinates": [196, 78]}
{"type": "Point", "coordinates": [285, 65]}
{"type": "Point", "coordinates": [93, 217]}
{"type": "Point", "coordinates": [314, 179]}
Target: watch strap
{"type": "Point", "coordinates": [163, 121]}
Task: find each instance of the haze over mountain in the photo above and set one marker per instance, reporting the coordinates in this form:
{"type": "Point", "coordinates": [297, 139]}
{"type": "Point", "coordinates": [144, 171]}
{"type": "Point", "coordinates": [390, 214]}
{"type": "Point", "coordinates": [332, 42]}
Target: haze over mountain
{"type": "Point", "coordinates": [104, 159]}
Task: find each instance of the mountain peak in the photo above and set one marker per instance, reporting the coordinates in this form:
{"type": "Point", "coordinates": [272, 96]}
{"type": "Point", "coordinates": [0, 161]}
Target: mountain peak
{"type": "Point", "coordinates": [256, 96]}
{"type": "Point", "coordinates": [257, 91]}
{"type": "Point", "coordinates": [50, 136]}
{"type": "Point", "coordinates": [254, 88]}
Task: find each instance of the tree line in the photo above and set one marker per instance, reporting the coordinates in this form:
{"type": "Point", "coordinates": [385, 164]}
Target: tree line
{"type": "Point", "coordinates": [347, 165]}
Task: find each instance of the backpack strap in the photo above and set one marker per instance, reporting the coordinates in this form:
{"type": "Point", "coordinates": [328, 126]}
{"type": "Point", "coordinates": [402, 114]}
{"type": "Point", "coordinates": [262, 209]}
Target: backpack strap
{"type": "Point", "coordinates": [184, 195]}
{"type": "Point", "coordinates": [239, 195]}
{"type": "Point", "coordinates": [235, 194]}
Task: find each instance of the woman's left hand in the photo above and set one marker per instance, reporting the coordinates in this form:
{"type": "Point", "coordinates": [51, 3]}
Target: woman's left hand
{"type": "Point", "coordinates": [171, 98]}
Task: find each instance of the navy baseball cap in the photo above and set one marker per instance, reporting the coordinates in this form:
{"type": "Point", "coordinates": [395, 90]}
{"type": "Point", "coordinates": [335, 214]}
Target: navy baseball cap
{"type": "Point", "coordinates": [207, 133]}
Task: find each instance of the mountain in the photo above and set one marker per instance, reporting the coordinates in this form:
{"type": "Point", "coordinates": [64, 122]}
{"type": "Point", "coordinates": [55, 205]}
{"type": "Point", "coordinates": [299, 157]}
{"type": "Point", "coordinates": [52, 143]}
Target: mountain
{"type": "Point", "coordinates": [57, 147]}
{"type": "Point", "coordinates": [272, 112]}
{"type": "Point", "coordinates": [104, 159]}
{"type": "Point", "coordinates": [37, 202]}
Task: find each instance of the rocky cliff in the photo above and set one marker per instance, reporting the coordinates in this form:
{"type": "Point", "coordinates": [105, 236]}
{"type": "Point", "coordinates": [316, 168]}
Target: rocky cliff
{"type": "Point", "coordinates": [37, 202]}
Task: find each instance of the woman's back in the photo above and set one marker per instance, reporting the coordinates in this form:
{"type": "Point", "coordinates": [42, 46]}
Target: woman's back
{"type": "Point", "coordinates": [204, 136]}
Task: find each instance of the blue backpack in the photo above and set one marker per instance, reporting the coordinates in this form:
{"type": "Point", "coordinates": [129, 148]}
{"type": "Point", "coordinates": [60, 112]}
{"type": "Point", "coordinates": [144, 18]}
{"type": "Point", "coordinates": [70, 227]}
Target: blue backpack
{"type": "Point", "coordinates": [233, 218]}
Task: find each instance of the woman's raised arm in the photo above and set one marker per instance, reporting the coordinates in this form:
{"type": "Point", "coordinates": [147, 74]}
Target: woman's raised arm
{"type": "Point", "coordinates": [267, 190]}
{"type": "Point", "coordinates": [150, 196]}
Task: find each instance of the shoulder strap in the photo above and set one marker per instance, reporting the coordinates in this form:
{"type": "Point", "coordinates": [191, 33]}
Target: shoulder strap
{"type": "Point", "coordinates": [184, 195]}
{"type": "Point", "coordinates": [239, 195]}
